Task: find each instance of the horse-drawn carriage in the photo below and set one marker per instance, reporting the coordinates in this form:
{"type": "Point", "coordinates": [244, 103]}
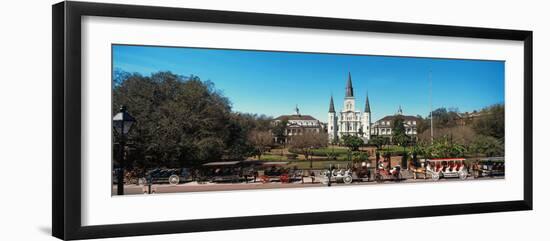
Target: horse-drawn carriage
{"type": "Point", "coordinates": [488, 167]}
{"type": "Point", "coordinates": [446, 168]}
{"type": "Point", "coordinates": [384, 173]}
{"type": "Point", "coordinates": [346, 175]}
{"type": "Point", "coordinates": [224, 171]}
{"type": "Point", "coordinates": [417, 169]}
{"type": "Point", "coordinates": [337, 176]}
{"type": "Point", "coordinates": [279, 172]}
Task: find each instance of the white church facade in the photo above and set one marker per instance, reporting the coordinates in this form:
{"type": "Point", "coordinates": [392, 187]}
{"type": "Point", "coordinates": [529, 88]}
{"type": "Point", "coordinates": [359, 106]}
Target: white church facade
{"type": "Point", "coordinates": [349, 121]}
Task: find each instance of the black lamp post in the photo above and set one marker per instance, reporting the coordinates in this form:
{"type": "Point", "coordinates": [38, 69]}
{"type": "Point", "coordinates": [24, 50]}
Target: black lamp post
{"type": "Point", "coordinates": [329, 175]}
{"type": "Point", "coordinates": [122, 122]}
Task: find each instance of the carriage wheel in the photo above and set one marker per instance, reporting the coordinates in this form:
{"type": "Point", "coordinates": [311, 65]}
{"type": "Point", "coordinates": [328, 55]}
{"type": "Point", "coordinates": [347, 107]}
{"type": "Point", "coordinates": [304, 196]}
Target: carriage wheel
{"type": "Point", "coordinates": [348, 179]}
{"type": "Point", "coordinates": [174, 179]}
{"type": "Point", "coordinates": [284, 178]}
{"type": "Point", "coordinates": [463, 175]}
{"type": "Point", "coordinates": [323, 178]}
{"type": "Point", "coordinates": [435, 176]}
{"type": "Point", "coordinates": [378, 178]}
{"type": "Point", "coordinates": [399, 177]}
{"type": "Point", "coordinates": [264, 178]}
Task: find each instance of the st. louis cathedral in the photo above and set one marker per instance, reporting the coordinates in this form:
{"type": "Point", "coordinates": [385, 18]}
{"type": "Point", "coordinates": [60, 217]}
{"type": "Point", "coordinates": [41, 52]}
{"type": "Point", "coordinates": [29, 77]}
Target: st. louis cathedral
{"type": "Point", "coordinates": [352, 122]}
{"type": "Point", "coordinates": [349, 121]}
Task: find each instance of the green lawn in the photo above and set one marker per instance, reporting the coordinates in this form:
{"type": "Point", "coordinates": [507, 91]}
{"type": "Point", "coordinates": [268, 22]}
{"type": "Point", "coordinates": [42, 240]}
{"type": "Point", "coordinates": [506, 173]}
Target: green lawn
{"type": "Point", "coordinates": [273, 157]}
{"type": "Point", "coordinates": [323, 151]}
{"type": "Point", "coordinates": [319, 155]}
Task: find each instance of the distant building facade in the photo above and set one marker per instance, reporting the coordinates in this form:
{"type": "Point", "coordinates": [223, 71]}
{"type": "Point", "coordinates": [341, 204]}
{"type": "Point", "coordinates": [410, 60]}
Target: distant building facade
{"type": "Point", "coordinates": [383, 127]}
{"type": "Point", "coordinates": [297, 124]}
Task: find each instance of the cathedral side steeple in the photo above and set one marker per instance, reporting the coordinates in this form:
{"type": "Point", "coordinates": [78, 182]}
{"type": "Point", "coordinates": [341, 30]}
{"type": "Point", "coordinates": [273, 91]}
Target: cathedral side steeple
{"type": "Point", "coordinates": [331, 107]}
{"type": "Point", "coordinates": [332, 123]}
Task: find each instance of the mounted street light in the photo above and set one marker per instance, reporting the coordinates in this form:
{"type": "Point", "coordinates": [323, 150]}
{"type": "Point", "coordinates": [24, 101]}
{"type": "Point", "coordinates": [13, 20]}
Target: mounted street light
{"type": "Point", "coordinates": [122, 122]}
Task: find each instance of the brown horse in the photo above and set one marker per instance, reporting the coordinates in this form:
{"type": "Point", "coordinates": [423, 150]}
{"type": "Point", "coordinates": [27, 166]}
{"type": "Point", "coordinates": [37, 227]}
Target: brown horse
{"type": "Point", "coordinates": [416, 170]}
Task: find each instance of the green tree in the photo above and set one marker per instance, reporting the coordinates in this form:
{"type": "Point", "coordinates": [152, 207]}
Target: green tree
{"type": "Point", "coordinates": [378, 141]}
{"type": "Point", "coordinates": [261, 140]}
{"type": "Point", "coordinates": [279, 130]}
{"type": "Point", "coordinates": [399, 134]}
{"type": "Point", "coordinates": [423, 124]}
{"type": "Point", "coordinates": [181, 121]}
{"type": "Point", "coordinates": [490, 122]}
{"type": "Point", "coordinates": [307, 141]}
{"type": "Point", "coordinates": [442, 148]}
{"type": "Point", "coordinates": [352, 142]}
{"type": "Point", "coordinates": [443, 117]}
{"type": "Point", "coordinates": [360, 156]}
{"type": "Point", "coordinates": [487, 145]}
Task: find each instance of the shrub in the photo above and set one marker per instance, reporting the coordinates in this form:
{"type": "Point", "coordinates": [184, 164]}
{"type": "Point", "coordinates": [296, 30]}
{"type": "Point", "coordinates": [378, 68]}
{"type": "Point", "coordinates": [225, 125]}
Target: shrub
{"type": "Point", "coordinates": [291, 156]}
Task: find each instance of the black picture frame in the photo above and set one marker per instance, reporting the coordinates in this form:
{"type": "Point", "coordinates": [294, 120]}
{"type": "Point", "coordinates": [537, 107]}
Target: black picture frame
{"type": "Point", "coordinates": [66, 128]}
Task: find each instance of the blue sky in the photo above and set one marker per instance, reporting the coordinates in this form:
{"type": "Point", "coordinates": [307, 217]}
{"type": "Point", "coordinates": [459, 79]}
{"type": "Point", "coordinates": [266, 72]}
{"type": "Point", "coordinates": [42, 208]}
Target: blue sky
{"type": "Point", "coordinates": [273, 83]}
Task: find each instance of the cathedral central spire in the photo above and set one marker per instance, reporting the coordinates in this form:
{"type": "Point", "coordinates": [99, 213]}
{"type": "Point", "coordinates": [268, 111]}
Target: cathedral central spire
{"type": "Point", "coordinates": [349, 87]}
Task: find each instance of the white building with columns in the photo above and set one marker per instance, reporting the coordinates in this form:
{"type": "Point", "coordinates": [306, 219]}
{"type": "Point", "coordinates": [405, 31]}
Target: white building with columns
{"type": "Point", "coordinates": [349, 121]}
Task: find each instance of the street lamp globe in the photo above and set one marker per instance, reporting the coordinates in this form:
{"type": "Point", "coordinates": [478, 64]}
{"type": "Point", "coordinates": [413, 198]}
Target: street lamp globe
{"type": "Point", "coordinates": [123, 121]}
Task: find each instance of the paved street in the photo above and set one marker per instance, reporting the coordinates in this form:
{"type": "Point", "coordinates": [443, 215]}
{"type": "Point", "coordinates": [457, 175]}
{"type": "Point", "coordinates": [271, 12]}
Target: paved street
{"type": "Point", "coordinates": [195, 187]}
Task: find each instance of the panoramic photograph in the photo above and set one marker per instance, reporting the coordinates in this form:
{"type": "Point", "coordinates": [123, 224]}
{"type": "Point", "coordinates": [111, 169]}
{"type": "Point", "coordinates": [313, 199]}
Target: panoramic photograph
{"type": "Point", "coordinates": [201, 119]}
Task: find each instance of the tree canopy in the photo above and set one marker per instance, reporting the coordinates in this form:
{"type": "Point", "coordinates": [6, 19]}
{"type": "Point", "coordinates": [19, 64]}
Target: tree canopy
{"type": "Point", "coordinates": [490, 122]}
{"type": "Point", "coordinates": [352, 142]}
{"type": "Point", "coordinates": [182, 121]}
{"type": "Point", "coordinates": [399, 134]}
{"type": "Point", "coordinates": [476, 133]}
{"type": "Point", "coordinates": [379, 141]}
{"type": "Point", "coordinates": [279, 130]}
{"type": "Point", "coordinates": [309, 140]}
{"type": "Point", "coordinates": [442, 148]}
{"type": "Point", "coordinates": [261, 141]}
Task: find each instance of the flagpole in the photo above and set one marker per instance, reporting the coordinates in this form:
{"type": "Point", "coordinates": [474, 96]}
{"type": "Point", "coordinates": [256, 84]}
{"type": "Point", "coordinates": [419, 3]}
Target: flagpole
{"type": "Point", "coordinates": [431, 111]}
